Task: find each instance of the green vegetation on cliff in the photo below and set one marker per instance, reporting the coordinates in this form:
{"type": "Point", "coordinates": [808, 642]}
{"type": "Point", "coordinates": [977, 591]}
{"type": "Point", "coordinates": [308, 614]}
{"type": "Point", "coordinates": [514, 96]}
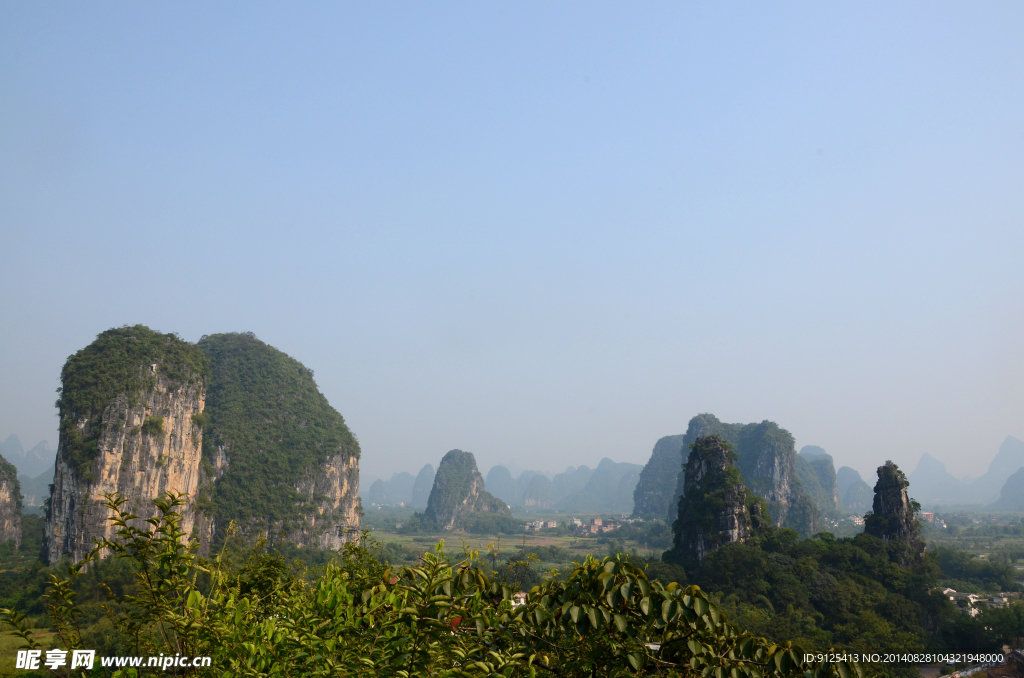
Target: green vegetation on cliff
{"type": "Point", "coordinates": [118, 363]}
{"type": "Point", "coordinates": [275, 427]}
{"type": "Point", "coordinates": [712, 512]}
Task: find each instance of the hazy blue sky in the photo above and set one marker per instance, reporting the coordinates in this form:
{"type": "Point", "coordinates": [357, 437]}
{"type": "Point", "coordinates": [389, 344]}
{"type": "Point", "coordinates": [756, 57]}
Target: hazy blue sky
{"type": "Point", "coordinates": [548, 232]}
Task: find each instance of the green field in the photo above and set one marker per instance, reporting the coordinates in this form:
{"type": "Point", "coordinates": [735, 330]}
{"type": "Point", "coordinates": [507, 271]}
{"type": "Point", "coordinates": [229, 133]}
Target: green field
{"type": "Point", "coordinates": [556, 549]}
{"type": "Point", "coordinates": [9, 646]}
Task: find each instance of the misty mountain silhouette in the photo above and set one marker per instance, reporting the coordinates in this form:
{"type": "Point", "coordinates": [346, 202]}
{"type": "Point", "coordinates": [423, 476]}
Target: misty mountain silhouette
{"type": "Point", "coordinates": [30, 463]}
{"type": "Point", "coordinates": [931, 483]}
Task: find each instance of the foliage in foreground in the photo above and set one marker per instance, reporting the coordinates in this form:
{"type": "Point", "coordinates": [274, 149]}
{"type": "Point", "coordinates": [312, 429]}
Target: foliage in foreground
{"type": "Point", "coordinates": [440, 618]}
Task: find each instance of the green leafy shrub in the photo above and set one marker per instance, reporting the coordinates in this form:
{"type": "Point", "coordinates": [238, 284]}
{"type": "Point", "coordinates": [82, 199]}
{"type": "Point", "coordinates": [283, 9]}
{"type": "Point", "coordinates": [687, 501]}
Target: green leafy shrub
{"type": "Point", "coordinates": [153, 426]}
{"type": "Point", "coordinates": [443, 617]}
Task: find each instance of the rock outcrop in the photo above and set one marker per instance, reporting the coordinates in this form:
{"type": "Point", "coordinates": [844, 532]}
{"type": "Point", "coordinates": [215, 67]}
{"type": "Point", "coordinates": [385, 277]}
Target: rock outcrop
{"type": "Point", "coordinates": [331, 489]}
{"type": "Point", "coordinates": [766, 458]}
{"type": "Point", "coordinates": [130, 411]}
{"type": "Point", "coordinates": [236, 426]}
{"type": "Point", "coordinates": [713, 510]}
{"type": "Point", "coordinates": [459, 492]}
{"type": "Point", "coordinates": [657, 483]}
{"type": "Point", "coordinates": [701, 425]}
{"type": "Point", "coordinates": [893, 517]}
{"type": "Point", "coordinates": [277, 457]}
{"type": "Point", "coordinates": [10, 503]}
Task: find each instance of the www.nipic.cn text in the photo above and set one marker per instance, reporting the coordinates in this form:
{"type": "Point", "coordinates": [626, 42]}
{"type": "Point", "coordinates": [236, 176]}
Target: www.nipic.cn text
{"type": "Point", "coordinates": [86, 659]}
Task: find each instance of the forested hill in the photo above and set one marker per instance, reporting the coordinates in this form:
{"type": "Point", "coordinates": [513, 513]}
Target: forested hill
{"type": "Point", "coordinates": [273, 443]}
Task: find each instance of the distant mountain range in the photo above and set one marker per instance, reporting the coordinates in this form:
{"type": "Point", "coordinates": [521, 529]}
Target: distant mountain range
{"type": "Point", "coordinates": [36, 490]}
{"type": "Point", "coordinates": [932, 485]}
{"type": "Point", "coordinates": [35, 469]}
{"type": "Point", "coordinates": [402, 489]}
{"type": "Point", "coordinates": [605, 489]}
{"type": "Point", "coordinates": [855, 495]}
{"type": "Point", "coordinates": [30, 463]}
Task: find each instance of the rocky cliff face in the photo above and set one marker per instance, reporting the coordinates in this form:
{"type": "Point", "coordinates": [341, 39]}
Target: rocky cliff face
{"type": "Point", "coordinates": [766, 458]}
{"type": "Point", "coordinates": [654, 490]}
{"type": "Point", "coordinates": [713, 509]}
{"type": "Point", "coordinates": [237, 426]}
{"type": "Point", "coordinates": [10, 503]}
{"type": "Point", "coordinates": [893, 517]}
{"type": "Point", "coordinates": [137, 434]}
{"type": "Point", "coordinates": [136, 457]}
{"type": "Point", "coordinates": [329, 489]}
{"type": "Point", "coordinates": [702, 425]}
{"type": "Point", "coordinates": [459, 492]}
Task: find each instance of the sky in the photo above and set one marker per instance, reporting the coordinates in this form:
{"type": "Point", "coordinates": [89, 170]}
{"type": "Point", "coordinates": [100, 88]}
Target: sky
{"type": "Point", "coordinates": [545, 233]}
